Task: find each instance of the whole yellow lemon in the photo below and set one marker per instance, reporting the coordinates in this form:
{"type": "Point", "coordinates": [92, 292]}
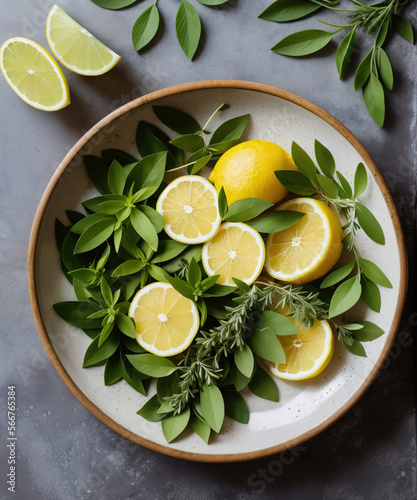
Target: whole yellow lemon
{"type": "Point", "coordinates": [247, 171]}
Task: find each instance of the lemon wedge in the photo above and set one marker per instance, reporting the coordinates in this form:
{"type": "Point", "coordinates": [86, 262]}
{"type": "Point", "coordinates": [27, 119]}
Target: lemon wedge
{"type": "Point", "coordinates": [75, 47]}
{"type": "Point", "coordinates": [166, 322]}
{"type": "Point", "coordinates": [33, 74]}
{"type": "Point", "coordinates": [308, 249]}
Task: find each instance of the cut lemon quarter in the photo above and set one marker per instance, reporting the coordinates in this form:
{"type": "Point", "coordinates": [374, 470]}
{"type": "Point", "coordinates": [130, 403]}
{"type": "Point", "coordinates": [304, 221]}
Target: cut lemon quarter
{"type": "Point", "coordinates": [190, 209]}
{"type": "Point", "coordinates": [75, 47]}
{"type": "Point", "coordinates": [307, 352]}
{"type": "Point", "coordinates": [33, 74]}
{"type": "Point", "coordinates": [237, 251]}
{"type": "Point", "coordinates": [308, 249]}
{"type": "Point", "coordinates": [166, 322]}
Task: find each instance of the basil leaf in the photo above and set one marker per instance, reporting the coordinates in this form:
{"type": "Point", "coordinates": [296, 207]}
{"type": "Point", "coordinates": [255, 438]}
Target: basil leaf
{"type": "Point", "coordinates": [84, 275]}
{"type": "Point", "coordinates": [355, 348]}
{"type": "Point", "coordinates": [151, 140]}
{"type": "Point", "coordinates": [347, 190]}
{"type": "Point", "coordinates": [128, 267]}
{"type": "Point", "coordinates": [345, 52]}
{"type": "Point", "coordinates": [95, 354]}
{"type": "Point", "coordinates": [267, 345]}
{"type": "Point", "coordinates": [361, 180]}
{"type": "Point", "coordinates": [113, 370]}
{"type": "Point", "coordinates": [329, 186]}
{"type": "Point", "coordinates": [338, 275]}
{"type": "Point", "coordinates": [112, 207]}
{"type": "Point", "coordinates": [296, 182]}
{"type": "Point", "coordinates": [93, 204]}
{"type": "Point", "coordinates": [212, 406]}
{"type": "Point", "coordinates": [151, 365]}
{"type": "Point", "coordinates": [263, 386]}
{"type": "Point", "coordinates": [167, 250]}
{"type": "Point", "coordinates": [120, 156]}
{"type": "Point", "coordinates": [222, 203]}
{"type": "Point", "coordinates": [188, 142]}
{"type": "Point", "coordinates": [235, 407]}
{"type": "Point", "coordinates": [231, 130]}
{"type": "Point", "coordinates": [95, 235]}
{"type": "Point", "coordinates": [97, 171]}
{"type": "Point", "coordinates": [373, 95]}
{"type": "Point", "coordinates": [324, 159]}
{"type": "Point", "coordinates": [403, 27]}
{"type": "Point", "coordinates": [126, 325]}
{"type": "Point", "coordinates": [180, 122]}
{"type": "Point", "coordinates": [371, 294]}
{"type": "Point", "coordinates": [182, 287]}
{"type": "Point", "coordinates": [76, 313]}
{"type": "Point", "coordinates": [277, 323]}
{"type": "Point", "coordinates": [144, 227]}
{"type": "Point", "coordinates": [188, 28]}
{"type": "Point", "coordinates": [173, 425]}
{"type": "Point", "coordinates": [369, 224]}
{"type": "Point", "coordinates": [275, 221]}
{"type": "Point", "coordinates": [149, 410]}
{"type": "Point", "coordinates": [282, 11]}
{"type": "Point", "coordinates": [303, 43]}
{"type": "Point", "coordinates": [148, 172]}
{"type": "Point", "coordinates": [156, 218]}
{"type": "Point", "coordinates": [200, 428]}
{"type": "Point", "coordinates": [373, 272]}
{"type": "Point", "coordinates": [116, 178]}
{"type": "Point", "coordinates": [212, 2]}
{"type": "Point", "coordinates": [244, 360]}
{"type": "Point", "coordinates": [145, 27]}
{"type": "Point", "coordinates": [113, 4]}
{"type": "Point", "coordinates": [363, 71]}
{"type": "Point", "coordinates": [369, 332]}
{"type": "Point", "coordinates": [248, 208]}
{"type": "Point", "coordinates": [345, 297]}
{"type": "Point", "coordinates": [385, 69]}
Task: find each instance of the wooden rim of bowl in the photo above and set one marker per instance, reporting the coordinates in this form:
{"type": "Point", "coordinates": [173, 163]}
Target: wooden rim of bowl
{"type": "Point", "coordinates": [180, 89]}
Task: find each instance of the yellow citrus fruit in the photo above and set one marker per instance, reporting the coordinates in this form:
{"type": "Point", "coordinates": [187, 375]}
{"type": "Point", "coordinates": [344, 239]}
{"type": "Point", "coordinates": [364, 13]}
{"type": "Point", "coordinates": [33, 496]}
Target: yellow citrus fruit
{"type": "Point", "coordinates": [307, 352]}
{"type": "Point", "coordinates": [190, 209]}
{"type": "Point", "coordinates": [237, 251]}
{"type": "Point", "coordinates": [247, 171]}
{"type": "Point", "coordinates": [33, 74]}
{"type": "Point", "coordinates": [308, 249]}
{"type": "Point", "coordinates": [166, 321]}
{"type": "Point", "coordinates": [75, 47]}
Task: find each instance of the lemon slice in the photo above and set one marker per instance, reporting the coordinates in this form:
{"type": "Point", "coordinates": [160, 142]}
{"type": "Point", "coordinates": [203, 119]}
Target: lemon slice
{"type": "Point", "coordinates": [237, 251]}
{"type": "Point", "coordinates": [308, 249]}
{"type": "Point", "coordinates": [166, 321]}
{"type": "Point", "coordinates": [33, 74]}
{"type": "Point", "coordinates": [307, 352]}
{"type": "Point", "coordinates": [189, 207]}
{"type": "Point", "coordinates": [75, 47]}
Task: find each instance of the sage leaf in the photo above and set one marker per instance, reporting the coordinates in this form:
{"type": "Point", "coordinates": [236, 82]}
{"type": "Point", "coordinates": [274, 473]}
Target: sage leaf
{"type": "Point", "coordinates": [403, 27]}
{"type": "Point", "coordinates": [151, 365]}
{"type": "Point", "coordinates": [231, 130]}
{"type": "Point", "coordinates": [188, 28]}
{"type": "Point", "coordinates": [328, 185]}
{"type": "Point", "coordinates": [222, 203]}
{"type": "Point", "coordinates": [200, 428]}
{"type": "Point", "coordinates": [373, 95]}
{"type": "Point", "coordinates": [346, 189]}
{"type": "Point", "coordinates": [370, 294]}
{"type": "Point", "coordinates": [282, 11]}
{"type": "Point", "coordinates": [148, 172]}
{"type": "Point", "coordinates": [112, 370]}
{"type": "Point", "coordinates": [369, 224]}
{"type": "Point", "coordinates": [345, 52]}
{"type": "Point", "coordinates": [278, 220]}
{"type": "Point", "coordinates": [244, 360]}
{"type": "Point", "coordinates": [177, 120]}
{"type": "Point", "coordinates": [77, 313]}
{"type": "Point", "coordinates": [303, 43]}
{"type": "Point", "coordinates": [116, 178]}
{"type": "Point", "coordinates": [361, 180]}
{"type": "Point", "coordinates": [144, 227]}
{"type": "Point", "coordinates": [167, 386]}
{"type": "Point", "coordinates": [303, 161]}
{"type": "Point", "coordinates": [248, 208]}
{"type": "Point", "coordinates": [145, 27]}
{"type": "Point", "coordinates": [385, 69]}
{"type": "Point", "coordinates": [128, 267]}
{"type": "Point", "coordinates": [239, 380]}
{"type": "Point", "coordinates": [338, 275]}
{"type": "Point", "coordinates": [149, 410]}
{"type": "Point", "coordinates": [263, 386]}
{"type": "Point", "coordinates": [95, 235]}
{"type": "Point", "coordinates": [173, 425]}
{"type": "Point", "coordinates": [369, 332]}
{"type": "Point", "coordinates": [96, 355]}
{"type": "Point", "coordinates": [212, 406]}
{"type": "Point", "coordinates": [324, 159]}
{"type": "Point", "coordinates": [382, 32]}
{"type": "Point", "coordinates": [189, 142]}
{"type": "Point", "coordinates": [113, 4]}
{"type": "Point", "coordinates": [296, 182]}
{"type": "Point", "coordinates": [126, 325]}
{"type": "Point", "coordinates": [355, 347]}
{"type": "Point", "coordinates": [167, 250]}
{"type": "Point", "coordinates": [345, 297]}
{"type": "Point", "coordinates": [373, 272]}
{"type": "Point", "coordinates": [363, 71]}
{"type": "Point", "coordinates": [97, 171]}
{"type": "Point", "coordinates": [267, 345]}
{"type": "Point", "coordinates": [235, 407]}
{"type": "Point", "coordinates": [277, 323]}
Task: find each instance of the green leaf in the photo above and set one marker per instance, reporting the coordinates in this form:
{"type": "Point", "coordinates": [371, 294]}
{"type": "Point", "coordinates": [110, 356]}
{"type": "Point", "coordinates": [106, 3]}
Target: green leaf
{"type": "Point", "coordinates": [219, 291]}
{"type": "Point", "coordinates": [369, 224]}
{"type": "Point", "coordinates": [113, 4]}
{"type": "Point", "coordinates": [74, 216]}
{"type": "Point", "coordinates": [403, 27]}
{"type": "Point", "coordinates": [60, 234]}
{"type": "Point", "coordinates": [303, 43]}
{"type": "Point", "coordinates": [167, 386]}
{"type": "Point", "coordinates": [222, 203]}
{"type": "Point", "coordinates": [361, 180]}
{"type": "Point", "coordinates": [106, 292]}
{"type": "Point", "coordinates": [97, 170]}
{"type": "Point", "coordinates": [345, 52]}
{"type": "Point", "coordinates": [212, 406]}
{"type": "Point", "coordinates": [363, 71]}
{"type": "Point", "coordinates": [303, 162]}
{"type": "Point", "coordinates": [328, 185]}
{"type": "Point", "coordinates": [296, 182]}
{"type": "Point", "coordinates": [212, 2]}
{"type": "Point", "coordinates": [148, 172]}
{"type": "Point", "coordinates": [248, 208]}
{"type": "Point", "coordinates": [219, 148]}
{"type": "Point", "coordinates": [120, 156]}
{"type": "Point", "coordinates": [149, 410]}
{"type": "Point", "coordinates": [126, 325]}
{"type": "Point", "coordinates": [370, 294]}
{"type": "Point", "coordinates": [132, 376]}
{"type": "Point", "coordinates": [275, 221]}
{"type": "Point", "coordinates": [231, 130]}
{"type": "Point", "coordinates": [324, 159]}
{"type": "Point", "coordinates": [167, 250]}
{"type": "Point", "coordinates": [200, 428]}
{"type": "Point", "coordinates": [133, 346]}
{"type": "Point", "coordinates": [93, 204]}
{"type": "Point", "coordinates": [145, 27]}
{"type": "Point", "coordinates": [95, 354]}
{"type": "Point", "coordinates": [345, 297]}
{"type": "Point", "coordinates": [263, 386]}
{"type": "Point", "coordinates": [194, 274]}
{"type": "Point", "coordinates": [173, 425]}
{"type": "Point", "coordinates": [235, 407]}
{"type": "Point", "coordinates": [151, 140]}
{"type": "Point", "coordinates": [373, 95]}
{"type": "Point", "coordinates": [276, 323]}
{"type": "Point", "coordinates": [106, 331]}
{"type": "Point", "coordinates": [116, 178]}
{"type": "Point", "coordinates": [382, 32]}
{"type": "Point", "coordinates": [244, 360]}
{"type": "Point", "coordinates": [180, 122]}
{"type": "Point", "coordinates": [76, 313]}
{"type": "Point", "coordinates": [199, 164]}
{"type": "Point", "coordinates": [355, 348]}
{"type": "Point", "coordinates": [104, 258]}
{"type": "Point", "coordinates": [385, 69]}
{"type": "Point", "coordinates": [128, 267]}
{"type": "Point", "coordinates": [158, 273]}
{"type": "Point", "coordinates": [182, 287]}
{"type": "Point", "coordinates": [369, 332]}
{"type": "Point", "coordinates": [345, 185]}
{"type": "Point", "coordinates": [84, 275]}
{"type": "Point", "coordinates": [338, 275]}
{"type": "Point", "coordinates": [282, 11]}
{"type": "Point", "coordinates": [88, 221]}
{"type": "Point", "coordinates": [188, 142]}
{"type": "Point", "coordinates": [239, 380]}
{"type": "Point", "coordinates": [144, 227]}
{"type": "Point", "coordinates": [113, 371]}
{"type": "Point", "coordinates": [243, 287]}
{"type": "Point", "coordinates": [151, 365]}
{"type": "Point", "coordinates": [112, 207]}
{"type": "Point", "coordinates": [209, 282]}
{"type": "Point", "coordinates": [95, 235]}
{"type": "Point", "coordinates": [188, 28]}
{"type": "Point", "coordinates": [266, 344]}
{"type": "Point", "coordinates": [373, 272]}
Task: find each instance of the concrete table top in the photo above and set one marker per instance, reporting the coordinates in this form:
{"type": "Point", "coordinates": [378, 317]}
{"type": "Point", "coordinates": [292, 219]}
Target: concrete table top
{"type": "Point", "coordinates": [63, 452]}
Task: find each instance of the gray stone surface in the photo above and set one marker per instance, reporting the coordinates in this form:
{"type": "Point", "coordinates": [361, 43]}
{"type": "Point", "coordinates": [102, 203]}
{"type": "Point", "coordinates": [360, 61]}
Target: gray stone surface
{"type": "Point", "coordinates": [63, 451]}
